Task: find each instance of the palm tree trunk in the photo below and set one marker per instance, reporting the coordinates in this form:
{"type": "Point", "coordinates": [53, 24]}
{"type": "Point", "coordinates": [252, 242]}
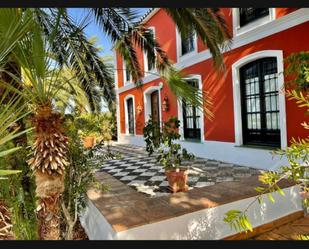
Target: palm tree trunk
{"type": "Point", "coordinates": [48, 162]}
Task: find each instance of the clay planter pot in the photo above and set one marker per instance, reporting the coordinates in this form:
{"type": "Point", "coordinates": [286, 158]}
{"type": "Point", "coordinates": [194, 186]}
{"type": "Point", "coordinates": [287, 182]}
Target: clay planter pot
{"type": "Point", "coordinates": [89, 142]}
{"type": "Point", "coordinates": [177, 180]}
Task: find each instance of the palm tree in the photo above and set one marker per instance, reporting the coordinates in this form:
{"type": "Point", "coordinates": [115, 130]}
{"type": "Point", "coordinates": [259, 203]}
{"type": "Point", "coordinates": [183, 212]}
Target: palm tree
{"type": "Point", "coordinates": [40, 86]}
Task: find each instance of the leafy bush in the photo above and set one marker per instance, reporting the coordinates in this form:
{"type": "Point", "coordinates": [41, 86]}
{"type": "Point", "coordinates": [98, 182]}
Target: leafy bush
{"type": "Point", "coordinates": [18, 191]}
{"type": "Point", "coordinates": [169, 151]}
{"type": "Point", "coordinates": [99, 125]}
{"type": "Point", "coordinates": [79, 178]}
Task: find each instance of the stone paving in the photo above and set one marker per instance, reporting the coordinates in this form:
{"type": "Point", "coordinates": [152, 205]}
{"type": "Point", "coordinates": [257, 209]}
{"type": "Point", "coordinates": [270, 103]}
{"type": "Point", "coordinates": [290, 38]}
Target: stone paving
{"type": "Point", "coordinates": [141, 172]}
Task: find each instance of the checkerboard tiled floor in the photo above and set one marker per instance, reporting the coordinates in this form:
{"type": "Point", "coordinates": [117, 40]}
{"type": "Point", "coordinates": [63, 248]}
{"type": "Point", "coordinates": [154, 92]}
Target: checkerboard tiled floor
{"type": "Point", "coordinates": [142, 172]}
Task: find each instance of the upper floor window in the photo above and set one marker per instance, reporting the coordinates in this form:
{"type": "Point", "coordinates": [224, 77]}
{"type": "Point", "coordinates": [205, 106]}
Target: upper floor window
{"type": "Point", "coordinates": [127, 77]}
{"type": "Point", "coordinates": [188, 43]}
{"type": "Point", "coordinates": [248, 19]}
{"type": "Point", "coordinates": [148, 66]}
{"type": "Point", "coordinates": [248, 15]}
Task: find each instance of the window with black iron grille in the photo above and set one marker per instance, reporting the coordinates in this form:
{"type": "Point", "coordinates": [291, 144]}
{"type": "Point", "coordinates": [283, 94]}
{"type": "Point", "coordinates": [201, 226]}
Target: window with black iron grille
{"type": "Point", "coordinates": [130, 115]}
{"type": "Point", "coordinates": [150, 66]}
{"type": "Point", "coordinates": [191, 118]}
{"type": "Point", "coordinates": [187, 43]}
{"type": "Point", "coordinates": [128, 75]}
{"type": "Point", "coordinates": [260, 103]}
{"type": "Point", "coordinates": [247, 15]}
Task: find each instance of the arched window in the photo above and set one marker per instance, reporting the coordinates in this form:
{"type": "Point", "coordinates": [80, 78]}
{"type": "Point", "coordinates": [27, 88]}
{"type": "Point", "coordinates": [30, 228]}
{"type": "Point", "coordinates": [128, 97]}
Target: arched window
{"type": "Point", "coordinates": [260, 102]}
{"type": "Point", "coordinates": [129, 115]}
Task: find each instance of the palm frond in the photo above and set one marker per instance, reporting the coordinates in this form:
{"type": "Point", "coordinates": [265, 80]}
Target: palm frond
{"type": "Point", "coordinates": [72, 48]}
{"type": "Point", "coordinates": [14, 25]}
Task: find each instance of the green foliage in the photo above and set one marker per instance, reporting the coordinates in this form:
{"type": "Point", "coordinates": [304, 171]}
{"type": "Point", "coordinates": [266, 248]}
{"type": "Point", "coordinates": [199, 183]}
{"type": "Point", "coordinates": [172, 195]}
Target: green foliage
{"type": "Point", "coordinates": [169, 152]}
{"type": "Point", "coordinates": [303, 237]}
{"type": "Point", "coordinates": [298, 69]}
{"type": "Point", "coordinates": [79, 176]}
{"type": "Point", "coordinates": [100, 125]}
{"type": "Point", "coordinates": [238, 220]}
{"type": "Point", "coordinates": [152, 136]}
{"type": "Point", "coordinates": [18, 193]}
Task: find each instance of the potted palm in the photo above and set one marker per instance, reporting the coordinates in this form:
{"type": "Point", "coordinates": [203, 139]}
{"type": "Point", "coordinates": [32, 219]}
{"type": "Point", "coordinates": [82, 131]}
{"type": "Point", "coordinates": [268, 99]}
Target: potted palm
{"type": "Point", "coordinates": [171, 154]}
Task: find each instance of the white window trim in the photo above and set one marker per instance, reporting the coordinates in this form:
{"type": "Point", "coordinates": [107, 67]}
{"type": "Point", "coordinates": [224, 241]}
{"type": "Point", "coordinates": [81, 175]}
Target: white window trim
{"type": "Point", "coordinates": [125, 81]}
{"type": "Point", "coordinates": [126, 115]}
{"type": "Point", "coordinates": [237, 96]}
{"type": "Point", "coordinates": [200, 112]}
{"type": "Point", "coordinates": [147, 101]}
{"type": "Point", "coordinates": [187, 56]}
{"type": "Point", "coordinates": [237, 30]}
{"type": "Point", "coordinates": [146, 69]}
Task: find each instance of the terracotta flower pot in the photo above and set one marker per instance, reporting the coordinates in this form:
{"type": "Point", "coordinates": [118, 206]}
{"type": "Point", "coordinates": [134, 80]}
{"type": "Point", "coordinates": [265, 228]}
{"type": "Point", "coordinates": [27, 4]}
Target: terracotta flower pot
{"type": "Point", "coordinates": [177, 180]}
{"type": "Point", "coordinates": [89, 142]}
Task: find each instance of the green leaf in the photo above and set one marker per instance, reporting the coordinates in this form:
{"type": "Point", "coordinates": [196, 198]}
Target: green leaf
{"type": "Point", "coordinates": [7, 152]}
{"type": "Point", "coordinates": [271, 198]}
{"type": "Point", "coordinates": [281, 191]}
{"type": "Point", "coordinates": [9, 172]}
{"type": "Point", "coordinates": [247, 224]}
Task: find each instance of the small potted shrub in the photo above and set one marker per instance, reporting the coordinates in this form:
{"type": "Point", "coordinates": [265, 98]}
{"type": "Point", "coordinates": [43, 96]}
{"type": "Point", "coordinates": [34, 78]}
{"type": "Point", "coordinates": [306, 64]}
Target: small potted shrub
{"type": "Point", "coordinates": [88, 128]}
{"type": "Point", "coordinates": [170, 153]}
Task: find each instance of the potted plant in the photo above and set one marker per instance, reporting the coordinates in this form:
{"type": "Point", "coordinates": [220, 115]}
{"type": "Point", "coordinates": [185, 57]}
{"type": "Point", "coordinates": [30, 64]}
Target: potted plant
{"type": "Point", "coordinates": [169, 153]}
{"type": "Point", "coordinates": [89, 129]}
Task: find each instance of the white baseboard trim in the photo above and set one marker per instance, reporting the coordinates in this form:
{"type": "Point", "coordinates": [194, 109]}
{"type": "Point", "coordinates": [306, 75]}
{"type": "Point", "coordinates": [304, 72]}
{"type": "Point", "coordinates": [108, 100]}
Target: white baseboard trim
{"type": "Point", "coordinates": [223, 151]}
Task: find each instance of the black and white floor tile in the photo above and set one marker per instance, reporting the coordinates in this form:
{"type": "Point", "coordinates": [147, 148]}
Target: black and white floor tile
{"type": "Point", "coordinates": [143, 173]}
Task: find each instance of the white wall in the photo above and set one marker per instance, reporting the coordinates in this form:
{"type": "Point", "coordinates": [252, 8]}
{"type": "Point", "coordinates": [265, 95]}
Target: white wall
{"type": "Point", "coordinates": [204, 224]}
{"type": "Point", "coordinates": [223, 151]}
{"type": "Point", "coordinates": [95, 225]}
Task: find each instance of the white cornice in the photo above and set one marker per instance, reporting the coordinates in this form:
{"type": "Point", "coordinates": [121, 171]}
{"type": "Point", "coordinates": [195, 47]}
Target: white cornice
{"type": "Point", "coordinates": [283, 23]}
{"type": "Point", "coordinates": [151, 14]}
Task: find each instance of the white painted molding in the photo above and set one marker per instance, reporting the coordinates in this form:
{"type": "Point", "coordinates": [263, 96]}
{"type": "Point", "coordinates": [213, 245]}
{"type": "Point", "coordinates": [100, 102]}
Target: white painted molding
{"type": "Point", "coordinates": [201, 113]}
{"type": "Point", "coordinates": [278, 54]}
{"type": "Point", "coordinates": [237, 30]}
{"type": "Point", "coordinates": [127, 114]}
{"type": "Point", "coordinates": [283, 23]}
{"type": "Point", "coordinates": [147, 101]}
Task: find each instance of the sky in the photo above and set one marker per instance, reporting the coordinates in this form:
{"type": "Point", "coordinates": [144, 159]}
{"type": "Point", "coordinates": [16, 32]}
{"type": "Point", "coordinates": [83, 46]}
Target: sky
{"type": "Point", "coordinates": [92, 29]}
{"type": "Point", "coordinates": [78, 14]}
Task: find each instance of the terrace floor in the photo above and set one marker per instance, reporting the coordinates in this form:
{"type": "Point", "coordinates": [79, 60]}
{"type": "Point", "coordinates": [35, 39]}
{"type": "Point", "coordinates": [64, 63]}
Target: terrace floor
{"type": "Point", "coordinates": [133, 200]}
{"type": "Point", "coordinates": [141, 172]}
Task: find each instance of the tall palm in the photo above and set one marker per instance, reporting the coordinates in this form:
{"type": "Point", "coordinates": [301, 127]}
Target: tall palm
{"type": "Point", "coordinates": [40, 86]}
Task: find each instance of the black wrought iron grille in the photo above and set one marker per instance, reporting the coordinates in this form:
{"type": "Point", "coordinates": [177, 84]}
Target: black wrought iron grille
{"type": "Point", "coordinates": [187, 44]}
{"type": "Point", "coordinates": [130, 115]}
{"type": "Point", "coordinates": [260, 103]}
{"type": "Point", "coordinates": [247, 15]}
{"type": "Point", "coordinates": [128, 75]}
{"type": "Point", "coordinates": [191, 118]}
{"type": "Point", "coordinates": [149, 64]}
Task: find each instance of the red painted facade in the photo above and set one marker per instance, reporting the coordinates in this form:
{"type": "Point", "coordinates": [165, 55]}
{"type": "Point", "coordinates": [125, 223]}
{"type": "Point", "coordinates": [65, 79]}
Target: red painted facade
{"type": "Point", "coordinates": [220, 89]}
